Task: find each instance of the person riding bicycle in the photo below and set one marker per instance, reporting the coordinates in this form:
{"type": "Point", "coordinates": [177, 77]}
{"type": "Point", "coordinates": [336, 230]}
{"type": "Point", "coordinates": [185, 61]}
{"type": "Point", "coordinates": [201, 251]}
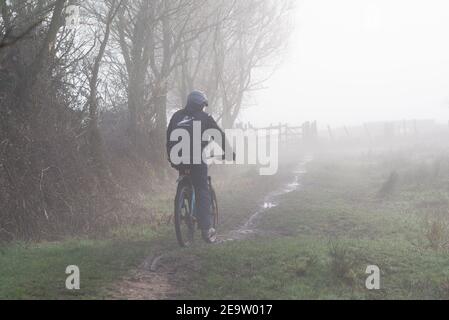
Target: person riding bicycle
{"type": "Point", "coordinates": [185, 118]}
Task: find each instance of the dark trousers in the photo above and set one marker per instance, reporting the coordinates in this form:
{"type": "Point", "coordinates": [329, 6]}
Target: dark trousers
{"type": "Point", "coordinates": [199, 174]}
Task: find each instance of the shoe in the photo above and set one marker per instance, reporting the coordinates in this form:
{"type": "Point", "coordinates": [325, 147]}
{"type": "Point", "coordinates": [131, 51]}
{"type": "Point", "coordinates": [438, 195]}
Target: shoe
{"type": "Point", "coordinates": [209, 235]}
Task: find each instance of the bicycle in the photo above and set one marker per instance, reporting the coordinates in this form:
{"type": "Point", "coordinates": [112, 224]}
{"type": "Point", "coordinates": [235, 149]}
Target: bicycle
{"type": "Point", "coordinates": [186, 219]}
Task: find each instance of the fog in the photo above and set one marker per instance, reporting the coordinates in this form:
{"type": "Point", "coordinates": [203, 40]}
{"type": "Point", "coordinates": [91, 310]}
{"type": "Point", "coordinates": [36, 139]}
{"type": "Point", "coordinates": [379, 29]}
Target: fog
{"type": "Point", "coordinates": [355, 61]}
{"type": "Point", "coordinates": [207, 150]}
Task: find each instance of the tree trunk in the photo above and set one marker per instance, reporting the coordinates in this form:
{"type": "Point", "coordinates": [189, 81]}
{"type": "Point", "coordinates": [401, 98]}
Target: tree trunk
{"type": "Point", "coordinates": [97, 151]}
{"type": "Point", "coordinates": [159, 135]}
{"type": "Point", "coordinates": [25, 88]}
{"type": "Point", "coordinates": [135, 104]}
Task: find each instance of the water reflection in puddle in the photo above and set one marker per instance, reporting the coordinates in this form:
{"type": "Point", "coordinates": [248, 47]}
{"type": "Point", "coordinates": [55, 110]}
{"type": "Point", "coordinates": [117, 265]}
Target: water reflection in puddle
{"type": "Point", "coordinates": [269, 203]}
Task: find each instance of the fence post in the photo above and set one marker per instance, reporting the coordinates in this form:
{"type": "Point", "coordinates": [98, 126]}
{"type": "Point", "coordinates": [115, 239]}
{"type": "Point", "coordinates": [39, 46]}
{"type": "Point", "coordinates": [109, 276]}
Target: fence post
{"type": "Point", "coordinates": [368, 134]}
{"type": "Point", "coordinates": [331, 135]}
{"type": "Point", "coordinates": [315, 130]}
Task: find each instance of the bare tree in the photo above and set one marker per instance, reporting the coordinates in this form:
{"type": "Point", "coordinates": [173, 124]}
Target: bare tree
{"type": "Point", "coordinates": [223, 62]}
{"type": "Point", "coordinates": [150, 35]}
{"type": "Point", "coordinates": [47, 48]}
{"type": "Point", "coordinates": [12, 31]}
{"type": "Point", "coordinates": [134, 21]}
{"type": "Point", "coordinates": [95, 139]}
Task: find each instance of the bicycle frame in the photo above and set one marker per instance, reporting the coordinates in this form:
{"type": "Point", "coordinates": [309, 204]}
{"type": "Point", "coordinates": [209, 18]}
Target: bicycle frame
{"type": "Point", "coordinates": [186, 177]}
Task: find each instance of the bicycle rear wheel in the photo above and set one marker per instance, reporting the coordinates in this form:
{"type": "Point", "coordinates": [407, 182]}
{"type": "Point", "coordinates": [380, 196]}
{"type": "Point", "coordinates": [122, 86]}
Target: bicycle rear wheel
{"type": "Point", "coordinates": [184, 220]}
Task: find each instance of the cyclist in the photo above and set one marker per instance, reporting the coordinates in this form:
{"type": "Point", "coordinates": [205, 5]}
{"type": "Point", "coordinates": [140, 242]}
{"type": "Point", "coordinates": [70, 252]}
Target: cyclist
{"type": "Point", "coordinates": [185, 118]}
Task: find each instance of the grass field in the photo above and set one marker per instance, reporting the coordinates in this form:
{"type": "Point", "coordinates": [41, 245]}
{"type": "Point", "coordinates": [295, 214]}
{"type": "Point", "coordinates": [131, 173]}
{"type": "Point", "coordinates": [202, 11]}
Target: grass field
{"type": "Point", "coordinates": [351, 211]}
{"type": "Point", "coordinates": [37, 271]}
{"type": "Point", "coordinates": [319, 241]}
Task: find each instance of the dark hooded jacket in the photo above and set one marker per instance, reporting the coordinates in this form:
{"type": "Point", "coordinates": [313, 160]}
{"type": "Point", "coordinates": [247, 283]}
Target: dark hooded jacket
{"type": "Point", "coordinates": [184, 119]}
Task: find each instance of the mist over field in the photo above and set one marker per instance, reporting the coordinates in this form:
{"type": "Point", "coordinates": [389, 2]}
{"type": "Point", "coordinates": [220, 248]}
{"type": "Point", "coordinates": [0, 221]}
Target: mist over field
{"type": "Point", "coordinates": [351, 62]}
{"type": "Point", "coordinates": [334, 179]}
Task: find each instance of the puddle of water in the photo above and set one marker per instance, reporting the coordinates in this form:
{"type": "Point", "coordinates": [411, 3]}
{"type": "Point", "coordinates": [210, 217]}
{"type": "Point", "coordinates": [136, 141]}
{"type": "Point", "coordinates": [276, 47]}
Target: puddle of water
{"type": "Point", "coordinates": [269, 203]}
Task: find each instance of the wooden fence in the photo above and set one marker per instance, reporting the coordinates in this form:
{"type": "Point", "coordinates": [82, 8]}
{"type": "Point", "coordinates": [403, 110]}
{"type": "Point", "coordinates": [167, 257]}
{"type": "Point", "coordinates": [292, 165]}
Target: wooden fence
{"type": "Point", "coordinates": [308, 131]}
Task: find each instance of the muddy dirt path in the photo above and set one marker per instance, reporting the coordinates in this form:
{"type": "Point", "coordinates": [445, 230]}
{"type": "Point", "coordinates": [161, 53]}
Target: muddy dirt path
{"type": "Point", "coordinates": [270, 201]}
{"type": "Point", "coordinates": [154, 279]}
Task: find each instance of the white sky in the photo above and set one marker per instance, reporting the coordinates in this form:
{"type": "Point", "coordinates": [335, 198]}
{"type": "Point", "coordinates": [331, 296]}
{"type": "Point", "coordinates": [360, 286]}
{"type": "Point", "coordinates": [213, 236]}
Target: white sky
{"type": "Point", "coordinates": [352, 61]}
